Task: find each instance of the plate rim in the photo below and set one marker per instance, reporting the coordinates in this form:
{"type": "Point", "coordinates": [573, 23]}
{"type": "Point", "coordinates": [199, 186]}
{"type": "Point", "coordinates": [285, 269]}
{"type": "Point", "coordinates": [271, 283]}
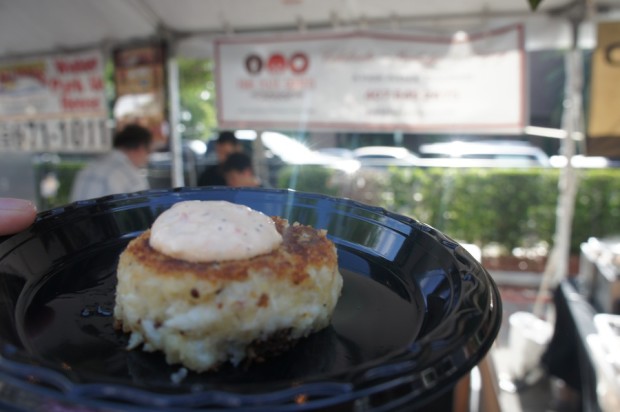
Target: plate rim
{"type": "Point", "coordinates": [396, 372]}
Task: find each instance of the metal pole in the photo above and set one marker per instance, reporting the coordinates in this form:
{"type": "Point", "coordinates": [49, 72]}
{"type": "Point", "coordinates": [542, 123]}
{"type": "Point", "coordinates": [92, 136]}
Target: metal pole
{"type": "Point", "coordinates": [557, 263]}
{"type": "Point", "coordinates": [174, 104]}
{"type": "Point", "coordinates": [261, 168]}
{"type": "Point", "coordinates": [568, 182]}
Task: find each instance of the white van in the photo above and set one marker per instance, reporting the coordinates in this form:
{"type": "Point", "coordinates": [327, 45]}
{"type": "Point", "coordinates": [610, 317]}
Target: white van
{"type": "Point", "coordinates": [512, 153]}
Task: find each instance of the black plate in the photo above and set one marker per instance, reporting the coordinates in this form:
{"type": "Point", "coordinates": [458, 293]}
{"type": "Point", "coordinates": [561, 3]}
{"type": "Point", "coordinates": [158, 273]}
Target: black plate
{"type": "Point", "coordinates": [417, 312]}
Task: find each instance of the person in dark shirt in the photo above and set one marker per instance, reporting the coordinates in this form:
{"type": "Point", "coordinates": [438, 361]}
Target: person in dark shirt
{"type": "Point", "coordinates": [225, 145]}
{"type": "Point", "coordinates": [238, 171]}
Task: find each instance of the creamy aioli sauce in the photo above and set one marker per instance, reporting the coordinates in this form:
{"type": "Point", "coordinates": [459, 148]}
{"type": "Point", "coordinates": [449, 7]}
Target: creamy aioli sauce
{"type": "Point", "coordinates": [206, 231]}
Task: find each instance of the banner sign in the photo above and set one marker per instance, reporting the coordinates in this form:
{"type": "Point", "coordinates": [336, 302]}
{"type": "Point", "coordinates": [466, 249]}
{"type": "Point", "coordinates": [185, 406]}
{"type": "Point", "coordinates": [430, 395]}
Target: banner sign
{"type": "Point", "coordinates": [603, 137]}
{"type": "Point", "coordinates": [373, 81]}
{"type": "Point", "coordinates": [71, 134]}
{"type": "Point", "coordinates": [140, 82]}
{"type": "Point", "coordinates": [53, 103]}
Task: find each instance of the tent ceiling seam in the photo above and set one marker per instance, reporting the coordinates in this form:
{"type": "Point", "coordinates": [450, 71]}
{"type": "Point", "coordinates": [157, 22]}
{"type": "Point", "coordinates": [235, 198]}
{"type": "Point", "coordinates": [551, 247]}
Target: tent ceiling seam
{"type": "Point", "coordinates": [388, 21]}
{"type": "Point", "coordinates": [105, 44]}
{"type": "Point", "coordinates": [150, 15]}
{"type": "Point", "coordinates": [161, 31]}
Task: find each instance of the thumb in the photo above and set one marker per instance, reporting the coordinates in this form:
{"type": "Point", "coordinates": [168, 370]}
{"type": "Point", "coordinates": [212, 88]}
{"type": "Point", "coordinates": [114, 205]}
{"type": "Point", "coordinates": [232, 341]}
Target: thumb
{"type": "Point", "coordinates": [15, 215]}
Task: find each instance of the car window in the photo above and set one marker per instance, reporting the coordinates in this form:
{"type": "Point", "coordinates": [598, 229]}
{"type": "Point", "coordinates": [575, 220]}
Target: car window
{"type": "Point", "coordinates": [376, 156]}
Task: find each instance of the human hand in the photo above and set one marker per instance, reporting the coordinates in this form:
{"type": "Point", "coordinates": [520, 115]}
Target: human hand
{"type": "Point", "coordinates": [15, 215]}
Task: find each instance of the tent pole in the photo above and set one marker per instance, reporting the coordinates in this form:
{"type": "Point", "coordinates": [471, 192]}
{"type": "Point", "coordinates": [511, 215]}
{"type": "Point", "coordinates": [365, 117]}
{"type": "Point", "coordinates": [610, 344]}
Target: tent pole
{"type": "Point", "coordinates": [174, 104]}
{"type": "Point", "coordinates": [557, 264]}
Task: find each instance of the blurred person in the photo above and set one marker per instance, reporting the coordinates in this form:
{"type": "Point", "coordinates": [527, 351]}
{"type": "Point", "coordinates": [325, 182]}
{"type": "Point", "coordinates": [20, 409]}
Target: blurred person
{"type": "Point", "coordinates": [118, 171]}
{"type": "Point", "coordinates": [15, 215]}
{"type": "Point", "coordinates": [238, 171]}
{"type": "Point", "coordinates": [225, 145]}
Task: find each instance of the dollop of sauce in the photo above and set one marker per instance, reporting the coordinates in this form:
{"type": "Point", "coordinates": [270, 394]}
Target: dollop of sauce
{"type": "Point", "coordinates": [207, 231]}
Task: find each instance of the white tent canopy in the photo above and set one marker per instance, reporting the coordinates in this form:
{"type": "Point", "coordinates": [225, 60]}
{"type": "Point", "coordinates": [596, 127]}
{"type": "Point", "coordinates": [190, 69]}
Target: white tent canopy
{"type": "Point", "coordinates": [30, 27]}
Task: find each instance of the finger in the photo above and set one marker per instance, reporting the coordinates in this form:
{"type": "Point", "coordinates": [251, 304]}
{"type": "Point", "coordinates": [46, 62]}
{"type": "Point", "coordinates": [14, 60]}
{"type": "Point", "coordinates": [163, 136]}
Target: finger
{"type": "Point", "coordinates": [15, 215]}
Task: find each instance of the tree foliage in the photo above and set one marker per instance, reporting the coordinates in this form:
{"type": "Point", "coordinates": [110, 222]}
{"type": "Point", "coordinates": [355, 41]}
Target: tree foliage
{"type": "Point", "coordinates": [197, 95]}
{"type": "Point", "coordinates": [534, 3]}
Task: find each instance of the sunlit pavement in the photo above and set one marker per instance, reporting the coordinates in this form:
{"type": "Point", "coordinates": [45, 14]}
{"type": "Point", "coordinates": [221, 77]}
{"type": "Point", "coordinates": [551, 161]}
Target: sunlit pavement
{"type": "Point", "coordinates": [540, 393]}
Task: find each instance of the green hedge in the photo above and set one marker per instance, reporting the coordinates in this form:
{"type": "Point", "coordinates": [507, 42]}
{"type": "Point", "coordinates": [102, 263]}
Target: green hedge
{"type": "Point", "coordinates": [597, 207]}
{"type": "Point", "coordinates": [308, 178]}
{"type": "Point", "coordinates": [511, 207]}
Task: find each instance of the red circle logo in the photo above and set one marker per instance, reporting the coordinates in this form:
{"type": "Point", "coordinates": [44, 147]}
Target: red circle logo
{"type": "Point", "coordinates": [276, 63]}
{"type": "Point", "coordinates": [299, 63]}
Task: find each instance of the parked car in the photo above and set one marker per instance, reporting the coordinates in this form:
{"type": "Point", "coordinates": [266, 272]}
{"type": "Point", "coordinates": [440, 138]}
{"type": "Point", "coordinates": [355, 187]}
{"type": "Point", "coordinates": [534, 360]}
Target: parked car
{"type": "Point", "coordinates": [584, 162]}
{"type": "Point", "coordinates": [384, 156]}
{"type": "Point", "coordinates": [483, 154]}
{"type": "Point", "coordinates": [287, 149]}
{"type": "Point", "coordinates": [336, 151]}
{"type": "Point", "coordinates": [280, 150]}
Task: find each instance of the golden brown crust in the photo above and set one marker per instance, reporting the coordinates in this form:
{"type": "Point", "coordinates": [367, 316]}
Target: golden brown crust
{"type": "Point", "coordinates": [302, 246]}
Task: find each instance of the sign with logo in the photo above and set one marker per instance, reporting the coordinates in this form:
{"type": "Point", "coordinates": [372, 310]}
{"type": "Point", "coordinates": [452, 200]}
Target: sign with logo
{"type": "Point", "coordinates": [373, 81]}
{"type": "Point", "coordinates": [603, 137]}
{"type": "Point", "coordinates": [140, 82]}
{"type": "Point", "coordinates": [53, 103]}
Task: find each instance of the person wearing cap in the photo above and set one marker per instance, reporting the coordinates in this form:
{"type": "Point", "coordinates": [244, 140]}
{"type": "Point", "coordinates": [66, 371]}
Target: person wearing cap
{"type": "Point", "coordinates": [225, 145]}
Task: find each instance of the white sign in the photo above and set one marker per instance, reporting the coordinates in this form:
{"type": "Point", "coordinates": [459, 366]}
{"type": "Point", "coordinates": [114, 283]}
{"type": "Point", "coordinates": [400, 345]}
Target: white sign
{"type": "Point", "coordinates": [373, 81]}
{"type": "Point", "coordinates": [54, 103]}
{"type": "Point", "coordinates": [77, 135]}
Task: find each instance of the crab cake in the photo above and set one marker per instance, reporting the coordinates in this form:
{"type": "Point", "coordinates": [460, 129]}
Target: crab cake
{"type": "Point", "coordinates": [213, 281]}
